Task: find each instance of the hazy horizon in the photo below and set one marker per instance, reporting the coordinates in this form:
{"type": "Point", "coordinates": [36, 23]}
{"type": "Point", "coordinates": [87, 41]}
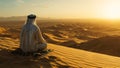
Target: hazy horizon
{"type": "Point", "coordinates": [65, 9]}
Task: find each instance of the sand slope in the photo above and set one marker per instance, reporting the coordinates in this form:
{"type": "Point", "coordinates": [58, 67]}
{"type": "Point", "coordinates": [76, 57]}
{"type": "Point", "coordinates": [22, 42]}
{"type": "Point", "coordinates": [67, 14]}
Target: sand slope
{"type": "Point", "coordinates": [62, 57]}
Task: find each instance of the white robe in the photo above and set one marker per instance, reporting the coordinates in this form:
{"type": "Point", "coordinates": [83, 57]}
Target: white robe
{"type": "Point", "coordinates": [31, 38]}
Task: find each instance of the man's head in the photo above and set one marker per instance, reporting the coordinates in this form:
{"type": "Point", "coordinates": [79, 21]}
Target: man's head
{"type": "Point", "coordinates": [31, 16]}
{"type": "Point", "coordinates": [31, 19]}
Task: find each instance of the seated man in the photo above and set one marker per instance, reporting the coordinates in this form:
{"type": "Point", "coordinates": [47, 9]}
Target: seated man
{"type": "Point", "coordinates": [31, 39]}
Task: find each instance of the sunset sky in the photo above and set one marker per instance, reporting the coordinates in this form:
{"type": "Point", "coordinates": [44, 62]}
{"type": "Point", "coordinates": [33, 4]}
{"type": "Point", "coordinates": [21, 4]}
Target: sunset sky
{"type": "Point", "coordinates": [105, 9]}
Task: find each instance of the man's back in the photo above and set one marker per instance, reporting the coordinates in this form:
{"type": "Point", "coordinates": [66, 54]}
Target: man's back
{"type": "Point", "coordinates": [31, 36]}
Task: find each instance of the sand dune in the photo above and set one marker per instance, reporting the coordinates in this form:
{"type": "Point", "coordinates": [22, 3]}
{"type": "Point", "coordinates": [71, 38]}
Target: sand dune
{"type": "Point", "coordinates": [2, 30]}
{"type": "Point", "coordinates": [90, 37]}
{"type": "Point", "coordinates": [107, 45]}
{"type": "Point", "coordinates": [61, 57]}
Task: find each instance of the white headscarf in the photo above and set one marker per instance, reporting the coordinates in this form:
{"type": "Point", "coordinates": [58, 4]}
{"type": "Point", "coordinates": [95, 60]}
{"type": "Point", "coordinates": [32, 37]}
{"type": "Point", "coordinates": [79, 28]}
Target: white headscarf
{"type": "Point", "coordinates": [31, 35]}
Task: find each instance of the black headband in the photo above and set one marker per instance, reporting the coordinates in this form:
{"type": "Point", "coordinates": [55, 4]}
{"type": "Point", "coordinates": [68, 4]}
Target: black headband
{"type": "Point", "coordinates": [31, 16]}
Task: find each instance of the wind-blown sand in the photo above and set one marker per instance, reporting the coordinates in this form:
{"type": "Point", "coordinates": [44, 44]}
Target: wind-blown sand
{"type": "Point", "coordinates": [61, 57]}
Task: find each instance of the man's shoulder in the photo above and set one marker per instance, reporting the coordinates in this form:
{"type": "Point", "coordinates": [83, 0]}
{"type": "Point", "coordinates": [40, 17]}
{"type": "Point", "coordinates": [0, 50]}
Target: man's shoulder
{"type": "Point", "coordinates": [36, 27]}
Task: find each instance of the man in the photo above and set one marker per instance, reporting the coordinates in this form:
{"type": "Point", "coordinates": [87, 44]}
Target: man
{"type": "Point", "coordinates": [31, 39]}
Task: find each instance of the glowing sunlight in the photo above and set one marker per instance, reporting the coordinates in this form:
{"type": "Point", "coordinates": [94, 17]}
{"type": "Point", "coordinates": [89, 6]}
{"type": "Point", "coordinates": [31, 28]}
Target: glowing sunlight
{"type": "Point", "coordinates": [111, 10]}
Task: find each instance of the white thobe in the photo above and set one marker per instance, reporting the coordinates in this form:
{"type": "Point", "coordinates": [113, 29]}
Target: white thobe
{"type": "Point", "coordinates": [31, 38]}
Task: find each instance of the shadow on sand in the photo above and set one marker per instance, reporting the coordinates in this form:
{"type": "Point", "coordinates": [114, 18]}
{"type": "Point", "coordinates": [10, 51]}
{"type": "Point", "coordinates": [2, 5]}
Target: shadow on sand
{"type": "Point", "coordinates": [8, 60]}
{"type": "Point", "coordinates": [106, 45]}
{"type": "Point", "coordinates": [109, 45]}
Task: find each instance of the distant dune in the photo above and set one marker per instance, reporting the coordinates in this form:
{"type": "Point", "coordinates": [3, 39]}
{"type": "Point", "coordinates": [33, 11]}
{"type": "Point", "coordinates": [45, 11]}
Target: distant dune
{"type": "Point", "coordinates": [19, 18]}
{"type": "Point", "coordinates": [2, 30]}
{"type": "Point", "coordinates": [88, 45]}
{"type": "Point", "coordinates": [107, 45]}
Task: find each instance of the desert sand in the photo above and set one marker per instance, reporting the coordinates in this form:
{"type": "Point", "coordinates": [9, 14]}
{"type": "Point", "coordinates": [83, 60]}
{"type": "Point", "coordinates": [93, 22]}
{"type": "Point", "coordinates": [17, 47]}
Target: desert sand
{"type": "Point", "coordinates": [76, 45]}
{"type": "Point", "coordinates": [61, 57]}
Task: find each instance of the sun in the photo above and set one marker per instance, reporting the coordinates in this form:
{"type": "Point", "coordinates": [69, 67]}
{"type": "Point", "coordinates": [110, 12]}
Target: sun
{"type": "Point", "coordinates": [111, 11]}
